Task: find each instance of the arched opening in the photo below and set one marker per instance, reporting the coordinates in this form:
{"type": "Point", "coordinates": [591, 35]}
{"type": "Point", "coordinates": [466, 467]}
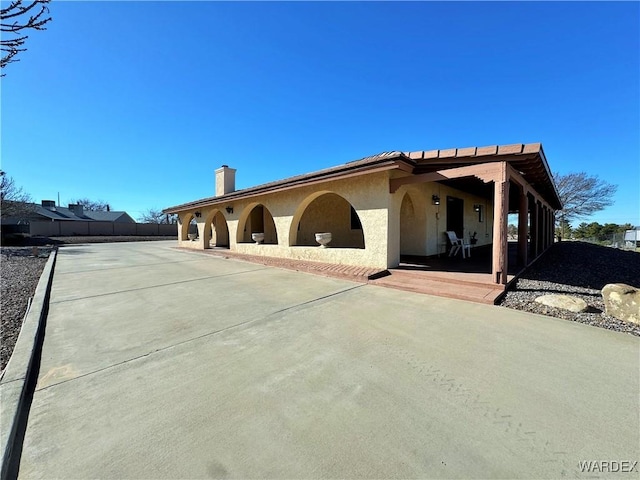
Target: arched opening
{"type": "Point", "coordinates": [327, 212]}
{"type": "Point", "coordinates": [216, 230]}
{"type": "Point", "coordinates": [257, 219]}
{"type": "Point", "coordinates": [188, 226]}
{"type": "Point", "coordinates": [413, 229]}
{"type": "Point", "coordinates": [193, 228]}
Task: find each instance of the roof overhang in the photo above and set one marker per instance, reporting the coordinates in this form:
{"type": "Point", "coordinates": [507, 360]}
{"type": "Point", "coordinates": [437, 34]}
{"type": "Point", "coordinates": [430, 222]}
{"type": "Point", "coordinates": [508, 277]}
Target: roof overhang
{"type": "Point", "coordinates": [377, 163]}
{"type": "Point", "coordinates": [528, 160]}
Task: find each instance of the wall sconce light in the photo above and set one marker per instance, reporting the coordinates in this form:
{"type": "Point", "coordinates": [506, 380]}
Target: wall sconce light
{"type": "Point", "coordinates": [229, 209]}
{"type": "Point", "coordinates": [198, 214]}
{"type": "Point", "coordinates": [476, 208]}
{"type": "Point", "coordinates": [435, 199]}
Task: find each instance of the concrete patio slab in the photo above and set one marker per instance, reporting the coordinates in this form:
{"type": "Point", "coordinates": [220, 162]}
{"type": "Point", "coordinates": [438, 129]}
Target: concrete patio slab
{"type": "Point", "coordinates": [180, 365]}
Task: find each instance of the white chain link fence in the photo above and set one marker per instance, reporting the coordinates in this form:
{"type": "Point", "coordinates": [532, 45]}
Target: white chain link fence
{"type": "Point", "coordinates": [623, 240]}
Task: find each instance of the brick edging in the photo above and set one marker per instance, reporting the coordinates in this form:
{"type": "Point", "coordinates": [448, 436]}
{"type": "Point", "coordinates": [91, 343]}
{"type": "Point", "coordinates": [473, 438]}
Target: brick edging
{"type": "Point", "coordinates": [345, 272]}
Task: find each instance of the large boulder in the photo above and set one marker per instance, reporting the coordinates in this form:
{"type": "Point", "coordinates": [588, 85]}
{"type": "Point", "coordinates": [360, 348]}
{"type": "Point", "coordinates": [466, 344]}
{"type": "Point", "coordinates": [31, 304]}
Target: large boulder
{"type": "Point", "coordinates": [622, 301]}
{"type": "Point", "coordinates": [566, 302]}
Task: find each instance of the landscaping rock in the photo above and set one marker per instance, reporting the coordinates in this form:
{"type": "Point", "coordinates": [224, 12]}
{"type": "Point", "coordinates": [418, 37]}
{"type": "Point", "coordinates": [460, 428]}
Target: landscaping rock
{"type": "Point", "coordinates": [565, 302]}
{"type": "Point", "coordinates": [19, 276]}
{"type": "Point", "coordinates": [622, 301]}
{"type": "Point", "coordinates": [581, 270]}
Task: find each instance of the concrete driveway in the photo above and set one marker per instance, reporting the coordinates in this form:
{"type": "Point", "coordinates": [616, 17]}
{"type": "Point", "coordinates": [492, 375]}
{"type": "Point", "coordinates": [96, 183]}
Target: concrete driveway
{"type": "Point", "coordinates": [159, 363]}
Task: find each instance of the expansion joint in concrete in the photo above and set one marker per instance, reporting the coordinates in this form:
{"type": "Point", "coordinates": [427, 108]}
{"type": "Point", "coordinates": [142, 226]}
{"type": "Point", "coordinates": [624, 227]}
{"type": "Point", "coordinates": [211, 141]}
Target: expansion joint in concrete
{"type": "Point", "coordinates": [231, 327]}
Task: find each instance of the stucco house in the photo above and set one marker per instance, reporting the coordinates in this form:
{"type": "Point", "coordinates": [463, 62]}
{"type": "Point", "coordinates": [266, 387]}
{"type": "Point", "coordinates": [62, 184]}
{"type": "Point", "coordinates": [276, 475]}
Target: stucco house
{"type": "Point", "coordinates": [385, 206]}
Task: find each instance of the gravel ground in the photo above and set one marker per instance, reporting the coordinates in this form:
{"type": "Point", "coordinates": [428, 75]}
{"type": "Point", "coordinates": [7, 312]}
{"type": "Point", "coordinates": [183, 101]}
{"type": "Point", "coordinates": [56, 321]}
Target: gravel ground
{"type": "Point", "coordinates": [20, 271]}
{"type": "Point", "coordinates": [581, 270]}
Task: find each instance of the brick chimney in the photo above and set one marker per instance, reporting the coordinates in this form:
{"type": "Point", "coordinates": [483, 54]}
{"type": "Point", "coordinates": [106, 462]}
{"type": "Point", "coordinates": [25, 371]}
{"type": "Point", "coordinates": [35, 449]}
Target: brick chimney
{"type": "Point", "coordinates": [225, 180]}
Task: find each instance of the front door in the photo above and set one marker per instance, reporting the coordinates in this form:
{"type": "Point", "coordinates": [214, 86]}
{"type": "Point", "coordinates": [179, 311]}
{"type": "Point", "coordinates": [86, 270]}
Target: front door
{"type": "Point", "coordinates": [455, 215]}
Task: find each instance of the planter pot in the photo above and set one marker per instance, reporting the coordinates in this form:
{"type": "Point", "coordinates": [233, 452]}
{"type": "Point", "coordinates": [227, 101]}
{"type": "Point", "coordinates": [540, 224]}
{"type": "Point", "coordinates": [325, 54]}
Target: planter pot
{"type": "Point", "coordinates": [258, 238]}
{"type": "Point", "coordinates": [473, 241]}
{"type": "Point", "coordinates": [192, 236]}
{"type": "Point", "coordinates": [323, 239]}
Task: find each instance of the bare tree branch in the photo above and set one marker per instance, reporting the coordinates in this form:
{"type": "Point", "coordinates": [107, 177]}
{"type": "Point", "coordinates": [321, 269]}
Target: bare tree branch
{"type": "Point", "coordinates": [16, 10]}
{"type": "Point", "coordinates": [156, 216]}
{"type": "Point", "coordinates": [582, 195]}
{"type": "Point", "coordinates": [14, 202]}
{"type": "Point", "coordinates": [16, 5]}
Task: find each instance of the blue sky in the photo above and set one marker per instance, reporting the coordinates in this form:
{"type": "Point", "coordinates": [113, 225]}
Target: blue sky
{"type": "Point", "coordinates": [137, 103]}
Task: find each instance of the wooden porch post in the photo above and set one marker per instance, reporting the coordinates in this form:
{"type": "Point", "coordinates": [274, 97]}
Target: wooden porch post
{"type": "Point", "coordinates": [550, 231]}
{"type": "Point", "coordinates": [545, 228]}
{"type": "Point", "coordinates": [535, 229]}
{"type": "Point", "coordinates": [541, 229]}
{"type": "Point", "coordinates": [500, 210]}
{"type": "Point", "coordinates": [523, 218]}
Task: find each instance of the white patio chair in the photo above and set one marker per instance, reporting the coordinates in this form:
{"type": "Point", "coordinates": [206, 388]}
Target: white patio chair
{"type": "Point", "coordinates": [457, 244]}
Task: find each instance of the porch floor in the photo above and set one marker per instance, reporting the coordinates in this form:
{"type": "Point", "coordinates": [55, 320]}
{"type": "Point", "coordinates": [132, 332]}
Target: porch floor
{"type": "Point", "coordinates": [453, 277]}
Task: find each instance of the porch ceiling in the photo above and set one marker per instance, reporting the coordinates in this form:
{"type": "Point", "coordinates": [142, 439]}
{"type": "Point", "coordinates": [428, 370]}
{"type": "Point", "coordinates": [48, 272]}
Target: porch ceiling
{"type": "Point", "coordinates": [471, 185]}
{"type": "Point", "coordinates": [477, 187]}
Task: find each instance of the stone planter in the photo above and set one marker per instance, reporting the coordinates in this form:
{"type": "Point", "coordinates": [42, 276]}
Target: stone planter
{"type": "Point", "coordinates": [192, 236]}
{"type": "Point", "coordinates": [258, 238]}
{"type": "Point", "coordinates": [323, 239]}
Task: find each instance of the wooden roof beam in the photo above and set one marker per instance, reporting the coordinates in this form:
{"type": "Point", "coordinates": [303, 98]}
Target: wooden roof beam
{"type": "Point", "coordinates": [487, 172]}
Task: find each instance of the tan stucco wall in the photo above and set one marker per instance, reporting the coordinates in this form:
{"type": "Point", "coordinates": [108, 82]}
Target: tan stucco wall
{"type": "Point", "coordinates": [433, 219]}
{"type": "Point", "coordinates": [368, 194]}
{"type": "Point", "coordinates": [413, 225]}
{"type": "Point", "coordinates": [421, 231]}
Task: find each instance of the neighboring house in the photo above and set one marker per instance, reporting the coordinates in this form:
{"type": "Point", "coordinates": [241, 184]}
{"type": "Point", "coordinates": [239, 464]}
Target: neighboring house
{"type": "Point", "coordinates": [384, 206]}
{"type": "Point", "coordinates": [50, 219]}
{"type": "Point", "coordinates": [49, 210]}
